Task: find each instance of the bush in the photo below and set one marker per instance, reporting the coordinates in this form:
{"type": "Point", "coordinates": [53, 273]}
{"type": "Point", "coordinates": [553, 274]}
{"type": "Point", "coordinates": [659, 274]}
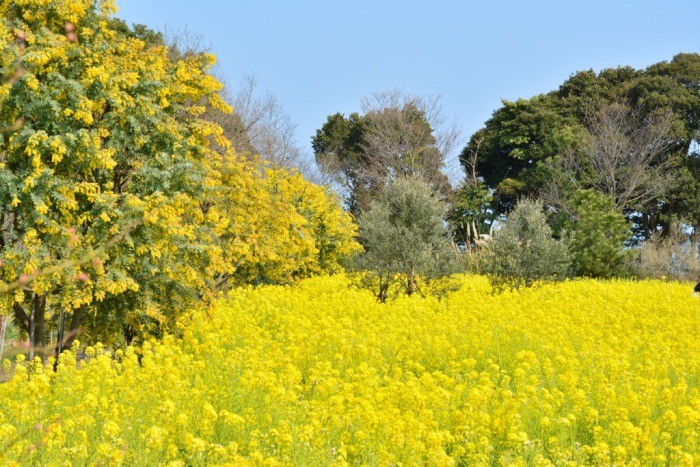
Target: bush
{"type": "Point", "coordinates": [673, 257]}
{"type": "Point", "coordinates": [596, 234]}
{"type": "Point", "coordinates": [524, 251]}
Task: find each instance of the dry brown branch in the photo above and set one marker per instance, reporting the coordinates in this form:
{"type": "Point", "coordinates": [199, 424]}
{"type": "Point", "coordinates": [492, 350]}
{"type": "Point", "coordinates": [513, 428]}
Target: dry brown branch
{"type": "Point", "coordinates": [628, 153]}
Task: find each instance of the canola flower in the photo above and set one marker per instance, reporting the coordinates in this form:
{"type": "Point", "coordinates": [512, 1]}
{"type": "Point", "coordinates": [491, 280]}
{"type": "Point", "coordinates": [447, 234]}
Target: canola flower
{"type": "Point", "coordinates": [574, 373]}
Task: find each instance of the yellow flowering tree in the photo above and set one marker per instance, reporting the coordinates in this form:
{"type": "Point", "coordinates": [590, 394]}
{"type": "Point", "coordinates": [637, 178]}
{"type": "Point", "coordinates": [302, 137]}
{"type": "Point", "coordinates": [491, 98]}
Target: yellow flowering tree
{"type": "Point", "coordinates": [122, 204]}
{"type": "Point", "coordinates": [281, 226]}
{"type": "Point", "coordinates": [103, 141]}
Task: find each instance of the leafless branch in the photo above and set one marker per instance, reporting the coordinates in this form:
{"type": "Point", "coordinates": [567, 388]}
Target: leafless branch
{"type": "Point", "coordinates": [628, 153]}
{"type": "Point", "coordinates": [407, 136]}
{"type": "Point", "coordinates": [269, 129]}
{"type": "Point", "coordinates": [445, 131]}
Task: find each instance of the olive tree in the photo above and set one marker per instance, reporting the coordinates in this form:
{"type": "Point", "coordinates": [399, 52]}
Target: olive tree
{"type": "Point", "coordinates": [405, 238]}
{"type": "Point", "coordinates": [524, 251]}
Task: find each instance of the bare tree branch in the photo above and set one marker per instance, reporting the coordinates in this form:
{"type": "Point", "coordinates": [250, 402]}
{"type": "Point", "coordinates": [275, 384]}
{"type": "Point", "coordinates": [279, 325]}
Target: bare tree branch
{"type": "Point", "coordinates": [269, 129]}
{"type": "Point", "coordinates": [628, 153]}
{"type": "Point", "coordinates": [406, 136]}
{"type": "Point", "coordinates": [445, 131]}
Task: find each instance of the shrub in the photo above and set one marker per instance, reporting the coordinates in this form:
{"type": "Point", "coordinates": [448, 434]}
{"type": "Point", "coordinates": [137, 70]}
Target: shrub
{"type": "Point", "coordinates": [596, 234]}
{"type": "Point", "coordinates": [524, 251]}
{"type": "Point", "coordinates": [674, 257]}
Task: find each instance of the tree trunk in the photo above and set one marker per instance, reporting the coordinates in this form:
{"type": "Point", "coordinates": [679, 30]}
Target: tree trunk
{"type": "Point", "coordinates": [129, 334]}
{"type": "Point", "coordinates": [2, 336]}
{"type": "Point", "coordinates": [74, 329]}
{"type": "Point", "coordinates": [694, 253]}
{"type": "Point", "coordinates": [21, 317]}
{"type": "Point", "coordinates": [653, 222]}
{"type": "Point", "coordinates": [383, 291]}
{"type": "Point", "coordinates": [645, 225]}
{"type": "Point", "coordinates": [34, 324]}
{"type": "Point", "coordinates": [411, 283]}
{"type": "Point", "coordinates": [39, 337]}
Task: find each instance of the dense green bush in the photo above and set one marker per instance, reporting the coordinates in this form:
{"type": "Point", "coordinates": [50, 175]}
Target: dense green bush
{"type": "Point", "coordinates": [596, 234]}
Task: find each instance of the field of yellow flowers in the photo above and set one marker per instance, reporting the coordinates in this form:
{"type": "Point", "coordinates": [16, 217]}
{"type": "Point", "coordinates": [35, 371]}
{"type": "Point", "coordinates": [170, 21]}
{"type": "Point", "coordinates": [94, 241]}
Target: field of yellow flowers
{"type": "Point", "coordinates": [574, 373]}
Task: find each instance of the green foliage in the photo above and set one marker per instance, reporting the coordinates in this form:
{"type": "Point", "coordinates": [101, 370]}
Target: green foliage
{"type": "Point", "coordinates": [110, 146]}
{"type": "Point", "coordinates": [596, 235]}
{"type": "Point", "coordinates": [405, 238]}
{"type": "Point", "coordinates": [515, 142]}
{"type": "Point", "coordinates": [524, 251]}
{"type": "Point", "coordinates": [338, 147]}
{"type": "Point", "coordinates": [470, 210]}
{"type": "Point", "coordinates": [394, 138]}
{"type": "Point", "coordinates": [524, 142]}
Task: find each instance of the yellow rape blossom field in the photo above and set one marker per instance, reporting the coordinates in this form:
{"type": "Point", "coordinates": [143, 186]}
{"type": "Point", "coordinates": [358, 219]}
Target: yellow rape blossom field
{"type": "Point", "coordinates": [573, 373]}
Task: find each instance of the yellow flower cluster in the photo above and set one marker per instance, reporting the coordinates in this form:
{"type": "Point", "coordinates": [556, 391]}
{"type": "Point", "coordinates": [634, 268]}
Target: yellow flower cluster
{"type": "Point", "coordinates": [119, 144]}
{"type": "Point", "coordinates": [574, 373]}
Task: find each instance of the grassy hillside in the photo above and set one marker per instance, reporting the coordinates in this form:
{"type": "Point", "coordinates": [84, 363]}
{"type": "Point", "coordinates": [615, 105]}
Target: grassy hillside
{"type": "Point", "coordinates": [319, 374]}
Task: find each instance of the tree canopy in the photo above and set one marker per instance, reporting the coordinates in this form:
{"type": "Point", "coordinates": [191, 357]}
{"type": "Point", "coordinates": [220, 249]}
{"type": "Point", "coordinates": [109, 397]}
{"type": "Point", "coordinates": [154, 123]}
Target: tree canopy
{"type": "Point", "coordinates": [125, 204]}
{"type": "Point", "coordinates": [601, 130]}
{"type": "Point", "coordinates": [524, 251]}
{"type": "Point", "coordinates": [397, 136]}
{"type": "Point", "coordinates": [105, 138]}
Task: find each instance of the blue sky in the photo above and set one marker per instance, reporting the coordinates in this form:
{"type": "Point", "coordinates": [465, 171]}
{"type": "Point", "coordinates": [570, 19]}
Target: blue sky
{"type": "Point", "coordinates": [321, 57]}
